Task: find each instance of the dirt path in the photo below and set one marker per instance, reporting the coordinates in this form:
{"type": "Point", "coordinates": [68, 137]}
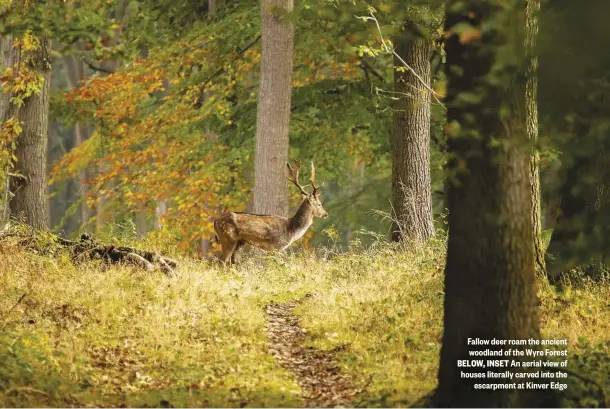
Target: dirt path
{"type": "Point", "coordinates": [317, 373]}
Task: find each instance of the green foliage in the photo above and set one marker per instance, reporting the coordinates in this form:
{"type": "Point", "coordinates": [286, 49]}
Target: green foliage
{"type": "Point", "coordinates": [180, 112]}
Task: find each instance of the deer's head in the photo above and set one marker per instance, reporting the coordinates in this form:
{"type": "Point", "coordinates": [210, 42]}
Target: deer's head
{"type": "Point", "coordinates": [312, 198]}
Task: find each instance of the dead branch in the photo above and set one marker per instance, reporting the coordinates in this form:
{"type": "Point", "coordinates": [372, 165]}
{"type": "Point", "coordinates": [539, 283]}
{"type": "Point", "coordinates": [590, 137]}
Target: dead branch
{"type": "Point", "coordinates": [87, 248]}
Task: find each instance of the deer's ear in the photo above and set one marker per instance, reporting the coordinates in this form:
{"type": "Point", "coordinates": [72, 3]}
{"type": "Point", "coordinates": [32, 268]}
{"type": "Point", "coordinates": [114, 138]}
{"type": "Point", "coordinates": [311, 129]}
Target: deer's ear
{"type": "Point", "coordinates": [303, 196]}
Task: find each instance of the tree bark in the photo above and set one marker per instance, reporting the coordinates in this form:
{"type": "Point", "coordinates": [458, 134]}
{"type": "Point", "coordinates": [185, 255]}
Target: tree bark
{"type": "Point", "coordinates": [273, 111]}
{"type": "Point", "coordinates": [411, 190]}
{"type": "Point", "coordinates": [490, 287]}
{"type": "Point", "coordinates": [532, 8]}
{"type": "Point", "coordinates": [9, 58]}
{"type": "Point", "coordinates": [30, 189]}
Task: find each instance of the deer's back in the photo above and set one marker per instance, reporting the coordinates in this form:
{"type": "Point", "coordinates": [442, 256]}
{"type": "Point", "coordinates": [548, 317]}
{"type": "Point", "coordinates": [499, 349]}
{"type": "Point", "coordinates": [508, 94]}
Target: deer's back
{"type": "Point", "coordinates": [267, 232]}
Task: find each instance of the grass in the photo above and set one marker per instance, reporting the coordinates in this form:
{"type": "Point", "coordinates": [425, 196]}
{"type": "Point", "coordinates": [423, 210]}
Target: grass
{"type": "Point", "coordinates": [90, 335]}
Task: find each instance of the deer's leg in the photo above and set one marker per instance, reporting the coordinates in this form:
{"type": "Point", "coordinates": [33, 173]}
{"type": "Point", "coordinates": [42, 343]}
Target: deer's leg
{"type": "Point", "coordinates": [228, 248]}
{"type": "Point", "coordinates": [239, 245]}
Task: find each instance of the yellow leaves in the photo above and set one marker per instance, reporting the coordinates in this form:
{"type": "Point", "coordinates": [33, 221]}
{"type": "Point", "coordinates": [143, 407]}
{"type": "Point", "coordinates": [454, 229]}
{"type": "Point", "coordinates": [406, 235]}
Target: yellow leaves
{"type": "Point", "coordinates": [30, 42]}
{"type": "Point", "coordinates": [452, 129]}
{"type": "Point", "coordinates": [440, 88]}
{"type": "Point", "coordinates": [9, 131]}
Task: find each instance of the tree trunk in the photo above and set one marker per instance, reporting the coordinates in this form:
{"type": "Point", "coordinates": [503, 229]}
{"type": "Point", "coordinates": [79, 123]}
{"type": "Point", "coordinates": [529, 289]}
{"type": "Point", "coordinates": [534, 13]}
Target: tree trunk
{"type": "Point", "coordinates": [214, 6]}
{"type": "Point", "coordinates": [160, 211]}
{"type": "Point", "coordinates": [532, 8]}
{"type": "Point", "coordinates": [273, 111]}
{"type": "Point", "coordinates": [75, 72]}
{"type": "Point", "coordinates": [80, 136]}
{"type": "Point", "coordinates": [141, 223]}
{"type": "Point", "coordinates": [9, 57]}
{"type": "Point", "coordinates": [490, 289]}
{"type": "Point", "coordinates": [30, 189]}
{"type": "Point", "coordinates": [411, 191]}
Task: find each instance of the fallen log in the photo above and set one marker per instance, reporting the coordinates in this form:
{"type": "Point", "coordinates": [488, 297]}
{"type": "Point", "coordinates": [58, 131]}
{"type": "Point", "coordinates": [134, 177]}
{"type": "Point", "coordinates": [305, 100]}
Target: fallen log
{"type": "Point", "coordinates": [87, 248]}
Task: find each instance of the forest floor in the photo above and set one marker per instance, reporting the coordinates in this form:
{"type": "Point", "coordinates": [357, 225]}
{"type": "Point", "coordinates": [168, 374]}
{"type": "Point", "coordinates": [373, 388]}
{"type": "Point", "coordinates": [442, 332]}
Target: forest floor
{"type": "Point", "coordinates": [355, 329]}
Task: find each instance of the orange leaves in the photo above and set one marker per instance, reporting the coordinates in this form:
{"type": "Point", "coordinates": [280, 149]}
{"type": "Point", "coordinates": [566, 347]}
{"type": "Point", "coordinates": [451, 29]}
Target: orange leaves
{"type": "Point", "coordinates": [150, 147]}
{"type": "Point", "coordinates": [116, 96]}
{"type": "Point", "coordinates": [470, 35]}
{"type": "Point", "coordinates": [465, 31]}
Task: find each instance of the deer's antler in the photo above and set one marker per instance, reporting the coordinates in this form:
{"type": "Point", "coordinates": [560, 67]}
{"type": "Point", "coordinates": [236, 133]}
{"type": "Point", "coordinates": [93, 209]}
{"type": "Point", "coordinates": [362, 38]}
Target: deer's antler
{"type": "Point", "coordinates": [313, 180]}
{"type": "Point", "coordinates": [293, 173]}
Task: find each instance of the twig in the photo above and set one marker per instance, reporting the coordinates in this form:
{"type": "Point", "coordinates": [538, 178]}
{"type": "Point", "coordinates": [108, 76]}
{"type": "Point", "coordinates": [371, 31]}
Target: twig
{"type": "Point", "coordinates": [13, 307]}
{"type": "Point", "coordinates": [25, 389]}
{"type": "Point", "coordinates": [95, 67]}
{"type": "Point", "coordinates": [366, 67]}
{"type": "Point", "coordinates": [393, 52]}
{"type": "Point", "coordinates": [239, 53]}
{"type": "Point", "coordinates": [16, 176]}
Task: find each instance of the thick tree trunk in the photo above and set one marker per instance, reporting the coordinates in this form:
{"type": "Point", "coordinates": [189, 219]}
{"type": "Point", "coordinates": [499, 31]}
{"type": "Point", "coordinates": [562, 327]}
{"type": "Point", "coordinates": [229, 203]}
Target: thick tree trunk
{"type": "Point", "coordinates": [273, 112]}
{"type": "Point", "coordinates": [490, 287]}
{"type": "Point", "coordinates": [411, 191]}
{"type": "Point", "coordinates": [30, 189]}
{"type": "Point", "coordinates": [532, 8]}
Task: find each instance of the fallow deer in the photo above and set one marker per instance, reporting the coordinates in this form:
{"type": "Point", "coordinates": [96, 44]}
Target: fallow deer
{"type": "Point", "coordinates": [234, 229]}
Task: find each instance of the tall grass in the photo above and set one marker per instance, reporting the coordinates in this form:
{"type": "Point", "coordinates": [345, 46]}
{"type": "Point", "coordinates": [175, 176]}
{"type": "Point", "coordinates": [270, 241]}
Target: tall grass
{"type": "Point", "coordinates": [88, 334]}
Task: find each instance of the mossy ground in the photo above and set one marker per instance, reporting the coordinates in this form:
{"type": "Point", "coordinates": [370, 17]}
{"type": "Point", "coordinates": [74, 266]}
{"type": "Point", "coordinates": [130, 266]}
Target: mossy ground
{"type": "Point", "coordinates": [93, 335]}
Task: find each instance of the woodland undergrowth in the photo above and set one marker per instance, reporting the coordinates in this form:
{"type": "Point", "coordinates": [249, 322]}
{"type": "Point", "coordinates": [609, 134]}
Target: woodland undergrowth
{"type": "Point", "coordinates": [90, 334]}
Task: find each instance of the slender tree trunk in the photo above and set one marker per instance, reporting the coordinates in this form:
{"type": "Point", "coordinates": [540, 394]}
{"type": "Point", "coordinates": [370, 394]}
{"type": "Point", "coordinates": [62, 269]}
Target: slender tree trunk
{"type": "Point", "coordinates": [411, 190]}
{"type": "Point", "coordinates": [75, 72]}
{"type": "Point", "coordinates": [490, 287]}
{"type": "Point", "coordinates": [273, 112]}
{"type": "Point", "coordinates": [104, 213]}
{"type": "Point", "coordinates": [141, 223]}
{"type": "Point", "coordinates": [30, 188]}
{"type": "Point", "coordinates": [214, 6]}
{"type": "Point", "coordinates": [9, 57]}
{"type": "Point", "coordinates": [80, 136]}
{"type": "Point", "coordinates": [160, 211]}
{"type": "Point", "coordinates": [532, 8]}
